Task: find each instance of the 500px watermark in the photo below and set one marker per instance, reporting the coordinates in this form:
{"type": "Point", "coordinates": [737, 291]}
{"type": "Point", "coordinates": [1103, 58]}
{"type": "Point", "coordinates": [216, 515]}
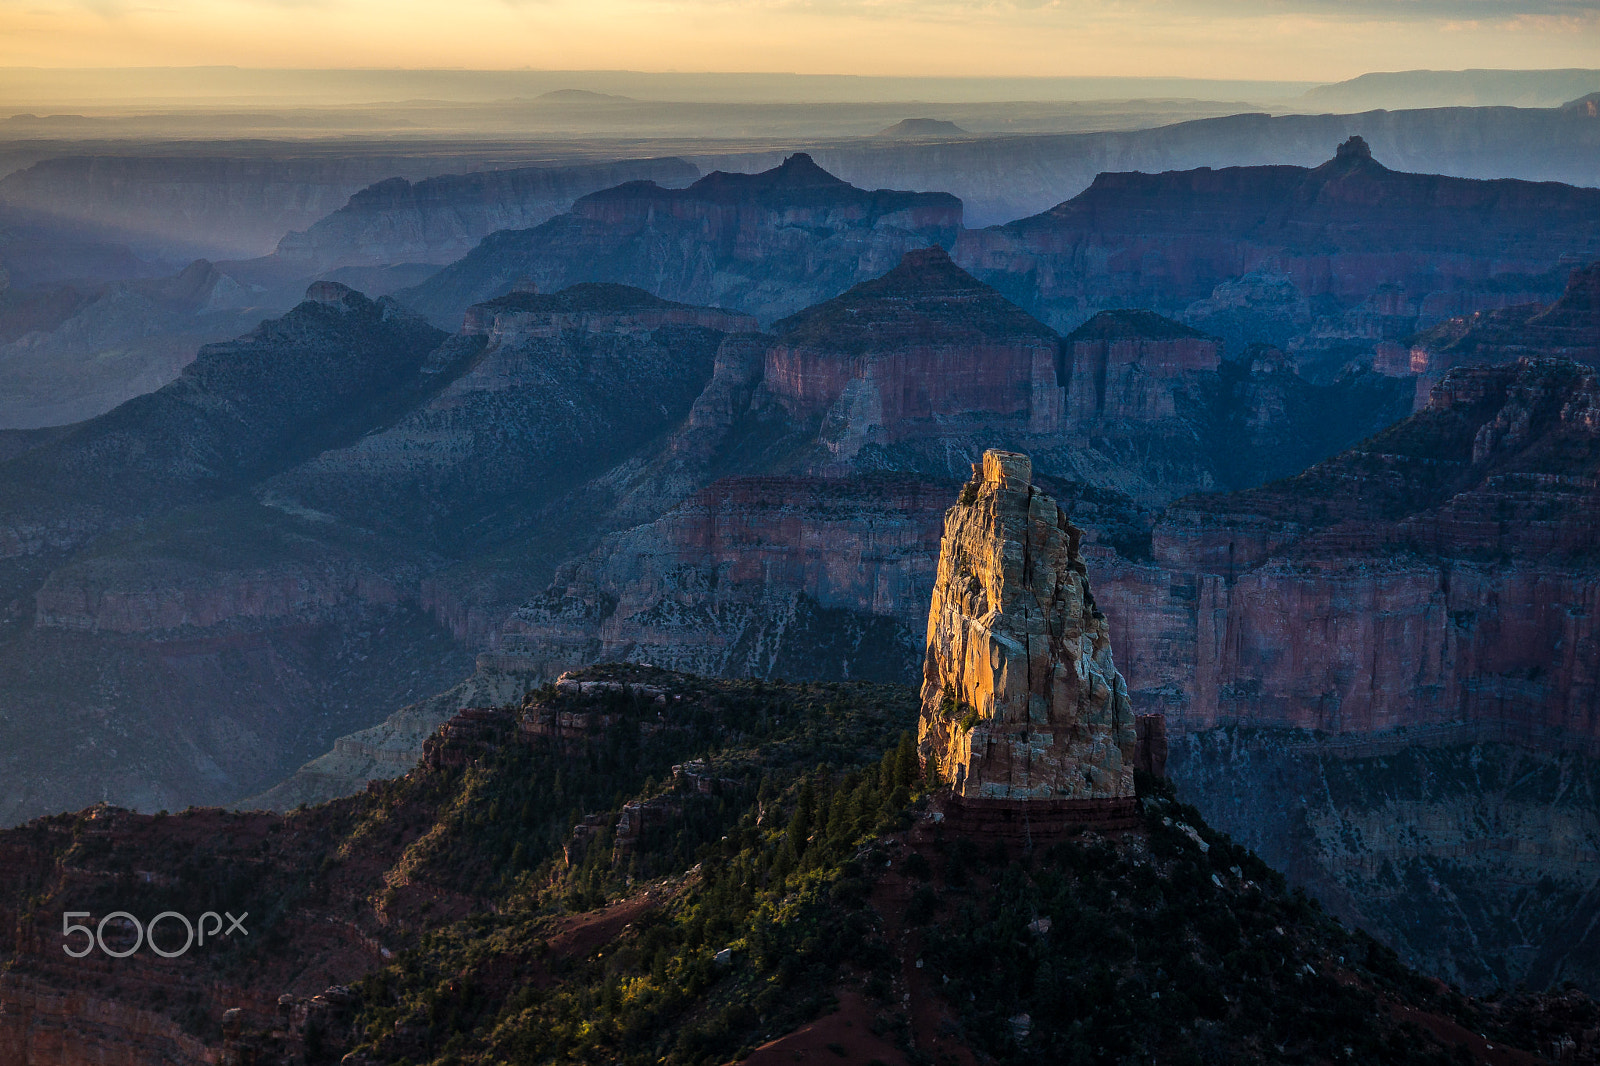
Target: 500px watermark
{"type": "Point", "coordinates": [195, 932]}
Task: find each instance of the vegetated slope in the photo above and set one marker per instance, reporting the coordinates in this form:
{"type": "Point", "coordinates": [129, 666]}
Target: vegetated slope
{"type": "Point", "coordinates": [764, 244]}
{"type": "Point", "coordinates": [653, 867]}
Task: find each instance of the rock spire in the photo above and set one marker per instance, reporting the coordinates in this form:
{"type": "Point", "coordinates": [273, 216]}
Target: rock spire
{"type": "Point", "coordinates": [1020, 697]}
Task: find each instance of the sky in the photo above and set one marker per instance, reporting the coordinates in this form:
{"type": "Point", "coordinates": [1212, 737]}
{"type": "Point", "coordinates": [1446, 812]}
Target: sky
{"type": "Point", "coordinates": [1303, 40]}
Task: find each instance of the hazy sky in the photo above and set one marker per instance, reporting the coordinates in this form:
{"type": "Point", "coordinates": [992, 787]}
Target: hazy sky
{"type": "Point", "coordinates": [1277, 39]}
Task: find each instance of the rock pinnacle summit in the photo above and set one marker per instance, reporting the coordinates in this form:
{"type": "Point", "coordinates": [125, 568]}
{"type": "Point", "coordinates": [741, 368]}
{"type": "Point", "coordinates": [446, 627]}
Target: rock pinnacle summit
{"type": "Point", "coordinates": [1020, 697]}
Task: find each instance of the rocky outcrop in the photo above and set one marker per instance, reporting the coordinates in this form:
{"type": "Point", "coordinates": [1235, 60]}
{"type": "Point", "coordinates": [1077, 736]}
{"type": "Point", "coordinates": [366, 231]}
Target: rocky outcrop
{"type": "Point", "coordinates": [763, 244]}
{"type": "Point", "coordinates": [911, 353]}
{"type": "Point", "coordinates": [1123, 365]}
{"type": "Point", "coordinates": [440, 219]}
{"type": "Point", "coordinates": [1020, 697]}
{"type": "Point", "coordinates": [1569, 328]}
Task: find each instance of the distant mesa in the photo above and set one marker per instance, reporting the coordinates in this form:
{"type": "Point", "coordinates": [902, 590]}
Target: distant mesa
{"type": "Point", "coordinates": [923, 127]}
{"type": "Point", "coordinates": [1584, 105]}
{"type": "Point", "coordinates": [582, 96]}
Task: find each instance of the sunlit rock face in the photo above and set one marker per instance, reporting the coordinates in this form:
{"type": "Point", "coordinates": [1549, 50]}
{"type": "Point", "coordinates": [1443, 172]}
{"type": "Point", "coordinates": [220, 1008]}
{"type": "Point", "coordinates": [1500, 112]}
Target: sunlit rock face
{"type": "Point", "coordinates": [1020, 697]}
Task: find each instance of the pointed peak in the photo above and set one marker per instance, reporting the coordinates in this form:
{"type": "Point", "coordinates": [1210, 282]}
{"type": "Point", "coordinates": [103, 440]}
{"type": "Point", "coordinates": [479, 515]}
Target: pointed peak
{"type": "Point", "coordinates": [921, 272]}
{"type": "Point", "coordinates": [800, 170]}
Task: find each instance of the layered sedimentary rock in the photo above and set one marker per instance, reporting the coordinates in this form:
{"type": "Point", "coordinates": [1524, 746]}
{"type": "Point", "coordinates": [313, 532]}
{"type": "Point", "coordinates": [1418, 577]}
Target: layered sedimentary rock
{"type": "Point", "coordinates": [1438, 579]}
{"type": "Point", "coordinates": [765, 244]}
{"type": "Point", "coordinates": [825, 570]}
{"type": "Point", "coordinates": [1020, 697]}
{"type": "Point", "coordinates": [764, 576]}
{"type": "Point", "coordinates": [553, 389]}
{"type": "Point", "coordinates": [912, 352]}
{"type": "Point", "coordinates": [1121, 365]}
{"type": "Point", "coordinates": [1569, 328]}
{"type": "Point", "coordinates": [1341, 234]}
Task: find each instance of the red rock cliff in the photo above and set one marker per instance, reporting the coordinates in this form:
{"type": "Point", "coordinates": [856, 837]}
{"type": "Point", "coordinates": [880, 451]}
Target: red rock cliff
{"type": "Point", "coordinates": [913, 350]}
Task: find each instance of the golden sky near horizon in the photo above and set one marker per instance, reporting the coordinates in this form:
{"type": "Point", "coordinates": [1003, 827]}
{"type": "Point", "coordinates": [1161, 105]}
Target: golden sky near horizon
{"type": "Point", "coordinates": [1271, 39]}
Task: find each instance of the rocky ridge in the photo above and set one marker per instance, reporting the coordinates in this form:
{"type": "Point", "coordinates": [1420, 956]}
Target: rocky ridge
{"type": "Point", "coordinates": [439, 219]}
{"type": "Point", "coordinates": [269, 530]}
{"type": "Point", "coordinates": [1346, 254]}
{"type": "Point", "coordinates": [1568, 328]}
{"type": "Point", "coordinates": [763, 244]}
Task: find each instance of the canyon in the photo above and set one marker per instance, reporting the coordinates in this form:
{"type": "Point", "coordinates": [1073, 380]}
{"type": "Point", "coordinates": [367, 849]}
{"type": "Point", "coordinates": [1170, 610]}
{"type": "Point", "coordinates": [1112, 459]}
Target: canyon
{"type": "Point", "coordinates": [740, 471]}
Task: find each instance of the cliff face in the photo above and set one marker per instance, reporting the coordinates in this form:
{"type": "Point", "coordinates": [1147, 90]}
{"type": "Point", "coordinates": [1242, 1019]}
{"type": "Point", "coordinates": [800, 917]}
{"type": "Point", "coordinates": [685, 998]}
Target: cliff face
{"type": "Point", "coordinates": [1331, 260]}
{"type": "Point", "coordinates": [912, 352]}
{"type": "Point", "coordinates": [764, 244]}
{"type": "Point", "coordinates": [1120, 365]}
{"type": "Point", "coordinates": [1475, 861]}
{"type": "Point", "coordinates": [1435, 577]}
{"type": "Point", "coordinates": [1020, 697]}
{"type": "Point", "coordinates": [762, 576]}
{"type": "Point", "coordinates": [1569, 328]}
{"type": "Point", "coordinates": [440, 219]}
